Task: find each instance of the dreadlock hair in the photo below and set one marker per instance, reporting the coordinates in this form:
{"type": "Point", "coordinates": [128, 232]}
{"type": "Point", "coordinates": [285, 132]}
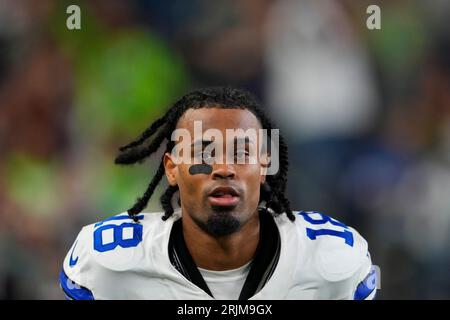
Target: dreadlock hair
{"type": "Point", "coordinates": [272, 192]}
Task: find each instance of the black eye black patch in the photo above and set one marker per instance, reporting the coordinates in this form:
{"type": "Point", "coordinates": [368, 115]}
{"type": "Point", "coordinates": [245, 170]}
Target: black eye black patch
{"type": "Point", "coordinates": [200, 169]}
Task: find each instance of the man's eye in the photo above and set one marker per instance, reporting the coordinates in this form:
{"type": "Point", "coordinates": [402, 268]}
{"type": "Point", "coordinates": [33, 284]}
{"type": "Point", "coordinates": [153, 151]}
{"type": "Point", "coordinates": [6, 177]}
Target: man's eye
{"type": "Point", "coordinates": [203, 155]}
{"type": "Point", "coordinates": [242, 155]}
{"type": "Point", "coordinates": [207, 155]}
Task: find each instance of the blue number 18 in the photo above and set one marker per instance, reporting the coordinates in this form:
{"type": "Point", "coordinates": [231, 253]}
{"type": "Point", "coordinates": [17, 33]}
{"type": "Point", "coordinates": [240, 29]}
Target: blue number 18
{"type": "Point", "coordinates": [313, 233]}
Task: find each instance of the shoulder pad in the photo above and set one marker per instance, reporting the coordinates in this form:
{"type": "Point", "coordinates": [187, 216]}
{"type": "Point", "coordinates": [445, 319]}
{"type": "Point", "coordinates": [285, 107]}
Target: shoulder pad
{"type": "Point", "coordinates": [338, 251]}
{"type": "Point", "coordinates": [103, 244]}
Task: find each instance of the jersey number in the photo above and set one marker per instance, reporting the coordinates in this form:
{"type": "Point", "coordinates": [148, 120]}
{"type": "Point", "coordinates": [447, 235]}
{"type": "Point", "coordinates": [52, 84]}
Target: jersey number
{"type": "Point", "coordinates": [118, 239]}
{"type": "Point", "coordinates": [314, 233]}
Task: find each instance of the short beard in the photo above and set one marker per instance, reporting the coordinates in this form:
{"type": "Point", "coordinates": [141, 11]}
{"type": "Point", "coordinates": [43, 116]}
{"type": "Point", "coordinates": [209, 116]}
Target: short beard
{"type": "Point", "coordinates": [221, 223]}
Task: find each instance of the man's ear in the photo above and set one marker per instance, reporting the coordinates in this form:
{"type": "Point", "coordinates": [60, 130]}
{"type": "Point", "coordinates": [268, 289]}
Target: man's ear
{"type": "Point", "coordinates": [171, 169]}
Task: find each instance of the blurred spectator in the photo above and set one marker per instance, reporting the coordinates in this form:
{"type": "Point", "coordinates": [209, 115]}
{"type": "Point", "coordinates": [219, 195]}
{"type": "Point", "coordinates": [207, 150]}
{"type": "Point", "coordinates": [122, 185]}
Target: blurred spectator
{"type": "Point", "coordinates": [221, 41]}
{"type": "Point", "coordinates": [319, 78]}
{"type": "Point", "coordinates": [322, 91]}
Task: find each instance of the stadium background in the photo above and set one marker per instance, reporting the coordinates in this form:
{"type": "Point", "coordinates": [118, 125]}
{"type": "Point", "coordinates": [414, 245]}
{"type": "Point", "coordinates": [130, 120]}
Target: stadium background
{"type": "Point", "coordinates": [366, 114]}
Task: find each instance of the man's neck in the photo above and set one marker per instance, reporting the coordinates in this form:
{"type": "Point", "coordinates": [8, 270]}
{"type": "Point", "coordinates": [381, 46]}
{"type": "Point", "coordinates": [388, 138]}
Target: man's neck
{"type": "Point", "coordinates": [222, 253]}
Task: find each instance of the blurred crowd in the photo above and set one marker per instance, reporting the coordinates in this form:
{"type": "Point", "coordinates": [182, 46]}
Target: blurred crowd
{"type": "Point", "coordinates": [366, 114]}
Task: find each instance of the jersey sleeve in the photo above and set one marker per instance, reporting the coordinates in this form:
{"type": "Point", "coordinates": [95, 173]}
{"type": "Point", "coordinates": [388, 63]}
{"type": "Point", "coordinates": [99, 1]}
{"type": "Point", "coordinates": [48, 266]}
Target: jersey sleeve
{"type": "Point", "coordinates": [73, 277]}
{"type": "Point", "coordinates": [364, 281]}
{"type": "Point", "coordinates": [365, 284]}
{"type": "Point", "coordinates": [339, 258]}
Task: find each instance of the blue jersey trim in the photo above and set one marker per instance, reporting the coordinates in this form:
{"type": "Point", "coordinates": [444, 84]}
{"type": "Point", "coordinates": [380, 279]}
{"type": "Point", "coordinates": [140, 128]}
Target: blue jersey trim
{"type": "Point", "coordinates": [73, 290]}
{"type": "Point", "coordinates": [367, 286]}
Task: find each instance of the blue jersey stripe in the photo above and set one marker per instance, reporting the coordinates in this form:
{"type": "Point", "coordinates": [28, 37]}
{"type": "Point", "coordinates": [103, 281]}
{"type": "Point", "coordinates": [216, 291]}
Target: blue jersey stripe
{"type": "Point", "coordinates": [73, 290]}
{"type": "Point", "coordinates": [367, 286]}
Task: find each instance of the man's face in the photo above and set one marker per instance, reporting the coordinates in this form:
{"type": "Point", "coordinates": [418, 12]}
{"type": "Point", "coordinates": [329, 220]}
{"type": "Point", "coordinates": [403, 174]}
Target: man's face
{"type": "Point", "coordinates": [222, 200]}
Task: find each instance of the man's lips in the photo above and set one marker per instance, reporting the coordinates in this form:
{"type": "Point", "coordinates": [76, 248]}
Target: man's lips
{"type": "Point", "coordinates": [224, 201]}
{"type": "Point", "coordinates": [223, 196]}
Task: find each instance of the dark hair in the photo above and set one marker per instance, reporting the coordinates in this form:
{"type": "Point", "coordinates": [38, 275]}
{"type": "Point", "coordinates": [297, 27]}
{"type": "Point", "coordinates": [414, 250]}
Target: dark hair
{"type": "Point", "coordinates": [272, 191]}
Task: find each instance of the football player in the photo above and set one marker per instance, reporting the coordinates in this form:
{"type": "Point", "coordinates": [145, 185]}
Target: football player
{"type": "Point", "coordinates": [234, 235]}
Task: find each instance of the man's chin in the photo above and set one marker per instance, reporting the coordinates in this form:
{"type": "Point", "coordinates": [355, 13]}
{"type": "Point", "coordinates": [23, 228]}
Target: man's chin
{"type": "Point", "coordinates": [221, 222]}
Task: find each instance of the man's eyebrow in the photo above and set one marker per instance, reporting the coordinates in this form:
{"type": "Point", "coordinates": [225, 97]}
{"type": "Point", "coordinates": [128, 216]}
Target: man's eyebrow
{"type": "Point", "coordinates": [204, 143]}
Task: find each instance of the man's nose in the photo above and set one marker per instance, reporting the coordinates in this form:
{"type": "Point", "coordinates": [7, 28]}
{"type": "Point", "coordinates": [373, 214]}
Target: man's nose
{"type": "Point", "coordinates": [223, 171]}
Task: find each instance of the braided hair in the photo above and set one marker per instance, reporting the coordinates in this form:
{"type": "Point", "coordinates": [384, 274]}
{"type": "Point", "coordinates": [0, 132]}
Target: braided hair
{"type": "Point", "coordinates": [272, 191]}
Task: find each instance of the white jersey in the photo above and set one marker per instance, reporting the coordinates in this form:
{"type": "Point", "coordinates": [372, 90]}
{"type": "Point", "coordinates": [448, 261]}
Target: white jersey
{"type": "Point", "coordinates": [227, 284]}
{"type": "Point", "coordinates": [319, 258]}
